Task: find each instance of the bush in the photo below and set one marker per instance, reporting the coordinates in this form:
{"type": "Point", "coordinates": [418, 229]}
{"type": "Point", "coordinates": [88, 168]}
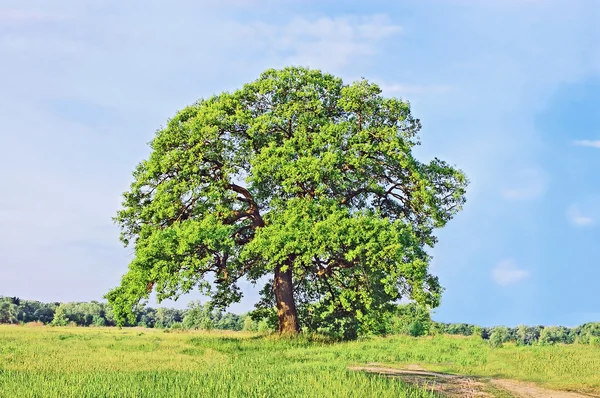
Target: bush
{"type": "Point", "coordinates": [416, 329]}
{"type": "Point", "coordinates": [177, 326]}
{"type": "Point", "coordinates": [60, 317]}
{"type": "Point", "coordinates": [263, 326]}
{"type": "Point", "coordinates": [554, 335]}
{"type": "Point", "coordinates": [250, 325]}
{"type": "Point", "coordinates": [527, 335]}
{"type": "Point", "coordinates": [499, 336]}
{"type": "Point", "coordinates": [98, 321]}
{"type": "Point", "coordinates": [412, 319]}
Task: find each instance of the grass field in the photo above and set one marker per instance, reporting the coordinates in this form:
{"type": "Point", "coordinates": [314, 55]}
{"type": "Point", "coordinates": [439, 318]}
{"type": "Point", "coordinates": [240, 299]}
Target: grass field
{"type": "Point", "coordinates": [108, 362]}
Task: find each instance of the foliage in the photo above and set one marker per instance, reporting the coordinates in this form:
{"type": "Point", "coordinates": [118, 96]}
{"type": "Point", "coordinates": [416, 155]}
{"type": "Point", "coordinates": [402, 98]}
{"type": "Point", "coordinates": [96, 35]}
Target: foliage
{"type": "Point", "coordinates": [8, 312]}
{"type": "Point", "coordinates": [198, 316]}
{"type": "Point", "coordinates": [554, 335]}
{"type": "Point", "coordinates": [176, 326]}
{"type": "Point", "coordinates": [98, 320]}
{"type": "Point", "coordinates": [459, 328]}
{"type": "Point", "coordinates": [499, 336]}
{"type": "Point", "coordinates": [297, 177]}
{"type": "Point", "coordinates": [405, 316]}
{"type": "Point", "coordinates": [250, 324]}
{"type": "Point", "coordinates": [411, 319]}
{"type": "Point", "coordinates": [100, 314]}
{"type": "Point", "coordinates": [60, 316]}
{"type": "Point", "coordinates": [527, 335]}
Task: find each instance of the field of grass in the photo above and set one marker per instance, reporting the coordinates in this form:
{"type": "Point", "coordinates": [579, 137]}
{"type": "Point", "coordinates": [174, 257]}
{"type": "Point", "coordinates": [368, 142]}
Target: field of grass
{"type": "Point", "coordinates": [108, 362]}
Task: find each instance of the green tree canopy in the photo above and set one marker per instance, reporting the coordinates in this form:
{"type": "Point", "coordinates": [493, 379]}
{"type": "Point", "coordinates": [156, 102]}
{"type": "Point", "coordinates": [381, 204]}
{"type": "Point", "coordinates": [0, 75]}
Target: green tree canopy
{"type": "Point", "coordinates": [297, 177]}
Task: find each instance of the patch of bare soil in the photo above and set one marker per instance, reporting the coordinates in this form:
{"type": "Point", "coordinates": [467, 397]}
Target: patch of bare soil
{"type": "Point", "coordinates": [444, 384]}
{"type": "Point", "coordinates": [455, 386]}
{"type": "Point", "coordinates": [530, 390]}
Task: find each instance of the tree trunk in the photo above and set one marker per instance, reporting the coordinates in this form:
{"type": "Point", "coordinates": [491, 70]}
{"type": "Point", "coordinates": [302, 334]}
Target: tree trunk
{"type": "Point", "coordinates": [284, 296]}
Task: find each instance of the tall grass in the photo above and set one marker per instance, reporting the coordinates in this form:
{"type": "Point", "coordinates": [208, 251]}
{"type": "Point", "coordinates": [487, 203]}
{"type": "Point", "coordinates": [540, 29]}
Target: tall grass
{"type": "Point", "coordinates": [103, 362]}
{"type": "Point", "coordinates": [108, 362]}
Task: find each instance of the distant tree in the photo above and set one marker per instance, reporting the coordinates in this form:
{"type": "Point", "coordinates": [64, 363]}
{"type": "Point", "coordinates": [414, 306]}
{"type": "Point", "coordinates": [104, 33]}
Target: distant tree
{"type": "Point", "coordinates": [587, 333]}
{"type": "Point", "coordinates": [229, 321]}
{"type": "Point", "coordinates": [527, 335]}
{"type": "Point", "coordinates": [250, 324]}
{"type": "Point", "coordinates": [485, 333]}
{"type": "Point", "coordinates": [165, 317]}
{"type": "Point", "coordinates": [263, 326]}
{"type": "Point", "coordinates": [98, 321]}
{"type": "Point", "coordinates": [8, 312]}
{"type": "Point", "coordinates": [412, 319]}
{"type": "Point", "coordinates": [297, 177]}
{"type": "Point", "coordinates": [499, 336]}
{"type": "Point", "coordinates": [60, 316]}
{"type": "Point", "coordinates": [109, 315]}
{"type": "Point", "coordinates": [26, 310]}
{"type": "Point", "coordinates": [198, 316]}
{"type": "Point", "coordinates": [436, 328]}
{"type": "Point", "coordinates": [459, 328]}
{"type": "Point", "coordinates": [45, 313]}
{"type": "Point", "coordinates": [554, 335]}
{"type": "Point", "coordinates": [176, 325]}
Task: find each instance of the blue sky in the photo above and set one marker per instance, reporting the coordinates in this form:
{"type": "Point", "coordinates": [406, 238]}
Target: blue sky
{"type": "Point", "coordinates": [508, 90]}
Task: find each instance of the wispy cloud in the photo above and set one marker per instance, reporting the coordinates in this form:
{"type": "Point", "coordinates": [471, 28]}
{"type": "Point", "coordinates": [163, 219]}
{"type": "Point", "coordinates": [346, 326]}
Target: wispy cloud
{"type": "Point", "coordinates": [507, 273]}
{"type": "Point", "coordinates": [577, 218]}
{"type": "Point", "coordinates": [587, 143]}
{"type": "Point", "coordinates": [18, 16]}
{"type": "Point", "coordinates": [416, 89]}
{"type": "Point", "coordinates": [328, 42]}
{"type": "Point", "coordinates": [526, 184]}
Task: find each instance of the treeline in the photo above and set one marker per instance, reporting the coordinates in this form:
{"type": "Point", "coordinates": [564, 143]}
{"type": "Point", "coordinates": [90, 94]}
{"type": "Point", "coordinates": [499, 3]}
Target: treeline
{"type": "Point", "coordinates": [414, 320]}
{"type": "Point", "coordinates": [197, 316]}
{"type": "Point", "coordinates": [410, 319]}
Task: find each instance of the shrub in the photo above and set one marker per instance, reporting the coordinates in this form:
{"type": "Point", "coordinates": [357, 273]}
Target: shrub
{"type": "Point", "coordinates": [527, 335]}
{"type": "Point", "coordinates": [416, 329]}
{"type": "Point", "coordinates": [499, 336]}
{"type": "Point", "coordinates": [60, 317]}
{"type": "Point", "coordinates": [263, 326]}
{"type": "Point", "coordinates": [98, 321]}
{"type": "Point", "coordinates": [554, 335]}
{"type": "Point", "coordinates": [176, 326]}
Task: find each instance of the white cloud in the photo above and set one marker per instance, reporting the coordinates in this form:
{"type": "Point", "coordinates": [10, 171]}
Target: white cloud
{"type": "Point", "coordinates": [324, 42]}
{"type": "Point", "coordinates": [588, 143]}
{"type": "Point", "coordinates": [577, 218]}
{"type": "Point", "coordinates": [507, 273]}
{"type": "Point", "coordinates": [526, 184]}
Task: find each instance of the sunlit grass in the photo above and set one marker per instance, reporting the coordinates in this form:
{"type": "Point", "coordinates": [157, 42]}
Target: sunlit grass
{"type": "Point", "coordinates": [108, 362]}
{"type": "Point", "coordinates": [94, 362]}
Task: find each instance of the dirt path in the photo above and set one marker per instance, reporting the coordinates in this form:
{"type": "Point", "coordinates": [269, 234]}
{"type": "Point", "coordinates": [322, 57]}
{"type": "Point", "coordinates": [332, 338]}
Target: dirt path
{"type": "Point", "coordinates": [530, 390]}
{"type": "Point", "coordinates": [466, 386]}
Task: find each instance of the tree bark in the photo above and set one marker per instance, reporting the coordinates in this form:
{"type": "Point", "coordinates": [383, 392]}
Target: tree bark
{"type": "Point", "coordinates": [284, 296]}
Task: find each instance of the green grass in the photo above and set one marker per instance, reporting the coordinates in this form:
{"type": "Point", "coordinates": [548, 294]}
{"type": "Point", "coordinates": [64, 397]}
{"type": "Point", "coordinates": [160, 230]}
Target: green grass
{"type": "Point", "coordinates": [108, 362]}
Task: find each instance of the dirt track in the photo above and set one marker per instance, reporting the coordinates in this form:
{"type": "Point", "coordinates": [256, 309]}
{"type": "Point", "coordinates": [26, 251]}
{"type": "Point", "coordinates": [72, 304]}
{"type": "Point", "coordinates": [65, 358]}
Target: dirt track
{"type": "Point", "coordinates": [467, 386]}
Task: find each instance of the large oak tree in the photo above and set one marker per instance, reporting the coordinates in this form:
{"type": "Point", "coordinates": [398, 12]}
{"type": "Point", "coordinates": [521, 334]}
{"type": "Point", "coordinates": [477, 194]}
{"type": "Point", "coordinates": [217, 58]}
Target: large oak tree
{"type": "Point", "coordinates": [297, 177]}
